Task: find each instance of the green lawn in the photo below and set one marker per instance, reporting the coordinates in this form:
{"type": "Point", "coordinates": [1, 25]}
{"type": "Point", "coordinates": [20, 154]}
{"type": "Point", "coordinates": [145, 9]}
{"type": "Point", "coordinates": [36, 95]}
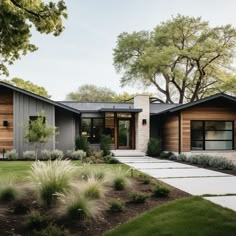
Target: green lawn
{"type": "Point", "coordinates": [20, 169]}
{"type": "Point", "coordinates": [188, 217]}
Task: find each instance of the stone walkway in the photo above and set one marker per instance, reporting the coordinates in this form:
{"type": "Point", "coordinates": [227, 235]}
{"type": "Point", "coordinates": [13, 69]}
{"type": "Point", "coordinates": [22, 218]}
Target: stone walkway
{"type": "Point", "coordinates": [191, 179]}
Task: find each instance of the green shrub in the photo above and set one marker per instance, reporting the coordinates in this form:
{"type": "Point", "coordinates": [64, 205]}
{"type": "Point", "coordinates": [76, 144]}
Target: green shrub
{"type": "Point", "coordinates": [144, 179]}
{"type": "Point", "coordinates": [165, 155]}
{"type": "Point", "coordinates": [193, 159]}
{"type": "Point", "coordinates": [181, 157]}
{"type": "Point", "coordinates": [20, 208]}
{"type": "Point", "coordinates": [29, 155]}
{"type": "Point", "coordinates": [57, 154]}
{"type": "Point", "coordinates": [76, 155]}
{"type": "Point", "coordinates": [119, 179]}
{"type": "Point", "coordinates": [51, 230]}
{"type": "Point", "coordinates": [119, 183]}
{"type": "Point", "coordinates": [11, 155]}
{"type": "Point", "coordinates": [107, 158]}
{"type": "Point", "coordinates": [154, 147]}
{"type": "Point", "coordinates": [45, 154]}
{"type": "Point", "coordinates": [113, 160]}
{"type": "Point", "coordinates": [81, 143]}
{"type": "Point", "coordinates": [161, 191]}
{"type": "Point", "coordinates": [35, 220]}
{"type": "Point", "coordinates": [105, 144]}
{"type": "Point", "coordinates": [7, 193]}
{"type": "Point", "coordinates": [221, 163]}
{"type": "Point", "coordinates": [173, 157]}
{"type": "Point", "coordinates": [116, 206]}
{"type": "Point", "coordinates": [52, 177]}
{"type": "Point", "coordinates": [138, 197]}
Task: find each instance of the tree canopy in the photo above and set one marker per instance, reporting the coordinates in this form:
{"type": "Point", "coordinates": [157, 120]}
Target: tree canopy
{"type": "Point", "coordinates": [16, 20]}
{"type": "Point", "coordinates": [183, 58]}
{"type": "Point", "coordinates": [29, 86]}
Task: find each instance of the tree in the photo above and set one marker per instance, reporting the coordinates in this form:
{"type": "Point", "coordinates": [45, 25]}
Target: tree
{"type": "Point", "coordinates": [16, 20]}
{"type": "Point", "coordinates": [29, 86]}
{"type": "Point", "coordinates": [92, 93]}
{"type": "Point", "coordinates": [38, 132]}
{"type": "Point", "coordinates": [183, 58]}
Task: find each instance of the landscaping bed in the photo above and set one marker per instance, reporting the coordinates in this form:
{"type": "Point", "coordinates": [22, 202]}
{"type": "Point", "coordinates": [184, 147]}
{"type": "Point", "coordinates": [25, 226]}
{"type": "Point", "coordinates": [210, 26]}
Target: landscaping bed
{"type": "Point", "coordinates": [14, 214]}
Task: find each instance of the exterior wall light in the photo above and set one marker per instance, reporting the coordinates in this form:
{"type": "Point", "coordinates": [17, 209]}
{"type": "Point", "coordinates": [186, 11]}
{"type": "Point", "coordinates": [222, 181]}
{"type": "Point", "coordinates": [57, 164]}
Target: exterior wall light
{"type": "Point", "coordinates": [5, 123]}
{"type": "Point", "coordinates": [144, 121]}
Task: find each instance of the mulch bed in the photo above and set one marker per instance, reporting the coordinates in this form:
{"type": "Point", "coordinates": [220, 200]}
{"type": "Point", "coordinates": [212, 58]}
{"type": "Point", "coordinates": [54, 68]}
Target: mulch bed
{"type": "Point", "coordinates": [13, 224]}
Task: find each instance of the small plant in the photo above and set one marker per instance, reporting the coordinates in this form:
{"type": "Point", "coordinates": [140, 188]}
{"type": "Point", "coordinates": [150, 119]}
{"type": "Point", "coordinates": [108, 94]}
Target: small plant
{"type": "Point", "coordinates": [57, 154]}
{"type": "Point", "coordinates": [52, 177]}
{"type": "Point", "coordinates": [144, 179]}
{"type": "Point", "coordinates": [105, 144]}
{"type": "Point", "coordinates": [138, 197]}
{"type": "Point", "coordinates": [81, 143]}
{"type": "Point", "coordinates": [76, 205]}
{"type": "Point", "coordinates": [119, 179]}
{"type": "Point", "coordinates": [29, 155]}
{"type": "Point", "coordinates": [20, 208]}
{"type": "Point", "coordinates": [119, 183]}
{"type": "Point", "coordinates": [45, 155]}
{"type": "Point", "coordinates": [173, 157]}
{"type": "Point", "coordinates": [76, 155]}
{"type": "Point", "coordinates": [153, 148]}
{"type": "Point", "coordinates": [11, 155]}
{"type": "Point", "coordinates": [35, 220]}
{"type": "Point", "coordinates": [51, 230]}
{"type": "Point", "coordinates": [165, 155]}
{"type": "Point", "coordinates": [161, 191]}
{"type": "Point", "coordinates": [7, 194]}
{"type": "Point", "coordinates": [113, 160]}
{"type": "Point", "coordinates": [181, 157]}
{"type": "Point", "coordinates": [116, 206]}
{"type": "Point", "coordinates": [107, 158]}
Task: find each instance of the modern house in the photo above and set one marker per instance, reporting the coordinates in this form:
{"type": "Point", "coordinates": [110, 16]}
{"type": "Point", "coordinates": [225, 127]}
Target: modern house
{"type": "Point", "coordinates": [204, 125]}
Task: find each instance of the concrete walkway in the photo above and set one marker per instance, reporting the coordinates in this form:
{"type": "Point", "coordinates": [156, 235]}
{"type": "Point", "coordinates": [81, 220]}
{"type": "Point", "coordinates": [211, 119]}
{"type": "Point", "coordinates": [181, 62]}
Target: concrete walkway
{"type": "Point", "coordinates": [191, 179]}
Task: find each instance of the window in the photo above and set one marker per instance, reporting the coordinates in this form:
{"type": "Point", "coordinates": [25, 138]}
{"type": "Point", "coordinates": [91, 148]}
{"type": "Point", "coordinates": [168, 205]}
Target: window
{"type": "Point", "coordinates": [212, 135]}
{"type": "Point", "coordinates": [110, 125]}
{"type": "Point", "coordinates": [92, 128]}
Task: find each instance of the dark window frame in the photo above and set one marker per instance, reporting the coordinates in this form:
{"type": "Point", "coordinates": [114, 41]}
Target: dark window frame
{"type": "Point", "coordinates": [204, 130]}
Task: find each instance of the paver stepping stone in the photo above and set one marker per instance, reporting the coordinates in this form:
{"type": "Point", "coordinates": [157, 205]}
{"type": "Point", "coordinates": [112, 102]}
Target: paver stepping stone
{"type": "Point", "coordinates": [224, 201]}
{"type": "Point", "coordinates": [162, 165]}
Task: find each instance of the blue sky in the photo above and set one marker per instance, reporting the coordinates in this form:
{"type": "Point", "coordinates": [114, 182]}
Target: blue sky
{"type": "Point", "coordinates": [83, 52]}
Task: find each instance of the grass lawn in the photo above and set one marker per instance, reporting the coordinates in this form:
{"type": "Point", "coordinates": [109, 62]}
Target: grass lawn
{"type": "Point", "coordinates": [19, 169]}
{"type": "Point", "coordinates": [191, 216]}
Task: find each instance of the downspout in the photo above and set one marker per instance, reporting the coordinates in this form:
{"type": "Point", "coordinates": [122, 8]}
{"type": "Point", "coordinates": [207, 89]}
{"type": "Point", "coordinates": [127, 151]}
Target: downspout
{"type": "Point", "coordinates": [179, 115]}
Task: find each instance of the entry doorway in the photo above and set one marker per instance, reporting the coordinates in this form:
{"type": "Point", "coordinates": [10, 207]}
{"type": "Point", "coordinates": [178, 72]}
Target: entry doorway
{"type": "Point", "coordinates": [124, 134]}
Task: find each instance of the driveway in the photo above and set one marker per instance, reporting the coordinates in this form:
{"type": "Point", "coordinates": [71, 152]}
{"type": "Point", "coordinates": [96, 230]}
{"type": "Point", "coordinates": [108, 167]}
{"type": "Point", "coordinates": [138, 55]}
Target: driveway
{"type": "Point", "coordinates": [191, 179]}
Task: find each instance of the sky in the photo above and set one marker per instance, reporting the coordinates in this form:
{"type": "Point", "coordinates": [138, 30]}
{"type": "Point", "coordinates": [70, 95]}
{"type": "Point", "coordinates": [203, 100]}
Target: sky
{"type": "Point", "coordinates": [82, 54]}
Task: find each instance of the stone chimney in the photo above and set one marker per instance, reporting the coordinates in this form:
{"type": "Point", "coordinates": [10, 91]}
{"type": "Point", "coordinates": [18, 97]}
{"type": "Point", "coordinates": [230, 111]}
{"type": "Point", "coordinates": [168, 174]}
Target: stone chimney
{"type": "Point", "coordinates": [142, 122]}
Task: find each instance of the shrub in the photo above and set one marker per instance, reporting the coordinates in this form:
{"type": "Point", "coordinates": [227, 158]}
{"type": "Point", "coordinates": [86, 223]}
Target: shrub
{"type": "Point", "coordinates": [154, 147]}
{"type": "Point", "coordinates": [7, 193]}
{"type": "Point", "coordinates": [113, 160]}
{"type": "Point", "coordinates": [107, 158]}
{"type": "Point", "coordinates": [51, 177]}
{"type": "Point", "coordinates": [138, 197]}
{"type": "Point", "coordinates": [105, 144]}
{"type": "Point", "coordinates": [144, 179]}
{"type": "Point", "coordinates": [76, 155]}
{"type": "Point", "coordinates": [116, 206]}
{"type": "Point", "coordinates": [57, 154]}
{"type": "Point", "coordinates": [81, 143]}
{"type": "Point", "coordinates": [119, 179]}
{"type": "Point", "coordinates": [35, 220]}
{"type": "Point", "coordinates": [45, 154]}
{"type": "Point", "coordinates": [173, 157]}
{"type": "Point", "coordinates": [203, 160]}
{"type": "Point", "coordinates": [181, 157]}
{"type": "Point", "coordinates": [20, 208]}
{"type": "Point", "coordinates": [194, 159]}
{"type": "Point", "coordinates": [119, 183]}
{"type": "Point", "coordinates": [161, 191]}
{"type": "Point", "coordinates": [52, 230]}
{"type": "Point", "coordinates": [29, 155]}
{"type": "Point", "coordinates": [165, 155]}
{"type": "Point", "coordinates": [221, 163]}
{"type": "Point", "coordinates": [11, 155]}
{"type": "Point", "coordinates": [76, 205]}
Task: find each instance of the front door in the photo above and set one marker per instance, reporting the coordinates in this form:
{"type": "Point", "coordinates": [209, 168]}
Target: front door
{"type": "Point", "coordinates": [124, 134]}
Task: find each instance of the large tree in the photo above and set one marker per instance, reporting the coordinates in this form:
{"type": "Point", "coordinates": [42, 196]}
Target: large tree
{"type": "Point", "coordinates": [183, 58]}
{"type": "Point", "coordinates": [29, 86]}
{"type": "Point", "coordinates": [16, 20]}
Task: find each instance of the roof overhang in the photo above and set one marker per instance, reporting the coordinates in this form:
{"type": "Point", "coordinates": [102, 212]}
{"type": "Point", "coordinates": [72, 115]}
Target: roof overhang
{"type": "Point", "coordinates": [130, 110]}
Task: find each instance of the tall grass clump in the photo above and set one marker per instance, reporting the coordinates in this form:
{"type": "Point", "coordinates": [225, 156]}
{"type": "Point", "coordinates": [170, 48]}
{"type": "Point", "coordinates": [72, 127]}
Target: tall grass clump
{"type": "Point", "coordinates": [76, 205]}
{"type": "Point", "coordinates": [52, 177]}
{"type": "Point", "coordinates": [8, 190]}
{"type": "Point", "coordinates": [120, 179]}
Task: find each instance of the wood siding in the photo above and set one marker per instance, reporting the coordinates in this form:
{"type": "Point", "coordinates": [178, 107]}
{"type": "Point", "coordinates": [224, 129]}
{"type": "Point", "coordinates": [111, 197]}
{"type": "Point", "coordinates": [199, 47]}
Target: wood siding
{"type": "Point", "coordinates": [171, 133]}
{"type": "Point", "coordinates": [218, 111]}
{"type": "Point", "coordinates": [6, 114]}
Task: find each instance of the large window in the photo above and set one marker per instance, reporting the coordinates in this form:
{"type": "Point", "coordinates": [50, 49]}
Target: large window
{"type": "Point", "coordinates": [211, 135]}
{"type": "Point", "coordinates": [92, 128]}
{"type": "Point", "coordinates": [110, 125]}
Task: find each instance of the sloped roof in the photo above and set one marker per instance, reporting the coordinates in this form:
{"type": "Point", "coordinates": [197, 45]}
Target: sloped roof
{"type": "Point", "coordinates": [44, 99]}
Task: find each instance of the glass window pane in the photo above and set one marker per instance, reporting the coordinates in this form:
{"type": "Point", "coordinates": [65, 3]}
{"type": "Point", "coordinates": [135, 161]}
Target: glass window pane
{"type": "Point", "coordinates": [109, 114]}
{"type": "Point", "coordinates": [97, 130]}
{"type": "Point", "coordinates": [197, 135]}
{"type": "Point", "coordinates": [197, 125]}
{"type": "Point", "coordinates": [197, 145]}
{"type": "Point", "coordinates": [124, 115]}
{"type": "Point", "coordinates": [86, 127]}
{"type": "Point", "coordinates": [110, 127]}
{"type": "Point", "coordinates": [219, 135]}
{"type": "Point", "coordinates": [219, 145]}
{"type": "Point", "coordinates": [218, 125]}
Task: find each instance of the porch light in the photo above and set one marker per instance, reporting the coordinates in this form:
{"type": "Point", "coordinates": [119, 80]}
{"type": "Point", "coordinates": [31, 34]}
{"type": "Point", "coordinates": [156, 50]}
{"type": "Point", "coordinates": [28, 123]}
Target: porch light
{"type": "Point", "coordinates": [5, 123]}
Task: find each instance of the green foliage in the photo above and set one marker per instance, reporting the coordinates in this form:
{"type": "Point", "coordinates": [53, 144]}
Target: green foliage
{"type": "Point", "coordinates": [154, 147]}
{"type": "Point", "coordinates": [116, 206]}
{"type": "Point", "coordinates": [119, 183]}
{"type": "Point", "coordinates": [119, 179]}
{"type": "Point", "coordinates": [105, 144]}
{"type": "Point", "coordinates": [76, 155]}
{"type": "Point", "coordinates": [7, 193]}
{"type": "Point", "coordinates": [113, 160]}
{"type": "Point", "coordinates": [165, 155]}
{"type": "Point", "coordinates": [51, 230]}
{"type": "Point", "coordinates": [160, 191]}
{"type": "Point", "coordinates": [138, 197]}
{"type": "Point", "coordinates": [29, 155]}
{"type": "Point", "coordinates": [182, 58]}
{"type": "Point", "coordinates": [35, 220]}
{"type": "Point", "coordinates": [38, 132]}
{"type": "Point", "coordinates": [17, 18]}
{"type": "Point", "coordinates": [11, 155]}
{"type": "Point", "coordinates": [107, 158]}
{"type": "Point", "coordinates": [144, 179]}
{"type": "Point", "coordinates": [29, 86]}
{"type": "Point", "coordinates": [81, 143]}
{"type": "Point", "coordinates": [52, 177]}
{"type": "Point", "coordinates": [56, 154]}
